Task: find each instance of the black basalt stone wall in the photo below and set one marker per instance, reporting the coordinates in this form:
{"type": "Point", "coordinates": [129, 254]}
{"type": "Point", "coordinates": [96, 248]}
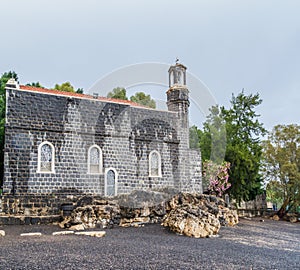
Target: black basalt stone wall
{"type": "Point", "coordinates": [125, 134]}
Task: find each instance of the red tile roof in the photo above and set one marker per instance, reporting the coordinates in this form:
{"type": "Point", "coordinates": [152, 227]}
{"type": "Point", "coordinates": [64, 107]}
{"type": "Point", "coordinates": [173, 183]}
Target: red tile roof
{"type": "Point", "coordinates": [77, 95]}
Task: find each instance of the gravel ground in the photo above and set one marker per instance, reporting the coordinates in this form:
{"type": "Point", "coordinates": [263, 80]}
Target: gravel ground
{"type": "Point", "coordinates": [250, 245]}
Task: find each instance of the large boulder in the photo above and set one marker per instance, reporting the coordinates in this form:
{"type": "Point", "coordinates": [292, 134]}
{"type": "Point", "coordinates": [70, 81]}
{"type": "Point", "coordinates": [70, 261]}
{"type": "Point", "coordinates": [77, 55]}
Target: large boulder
{"type": "Point", "coordinates": [198, 215]}
{"type": "Point", "coordinates": [208, 203]}
{"type": "Point", "coordinates": [192, 221]}
{"type": "Point", "coordinates": [275, 217]}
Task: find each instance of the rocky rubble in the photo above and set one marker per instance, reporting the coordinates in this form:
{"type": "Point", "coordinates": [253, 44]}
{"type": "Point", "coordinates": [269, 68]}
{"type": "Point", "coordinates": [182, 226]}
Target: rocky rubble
{"type": "Point", "coordinates": [192, 221]}
{"type": "Point", "coordinates": [293, 218]}
{"type": "Point", "coordinates": [196, 215]}
{"type": "Point", "coordinates": [91, 213]}
{"type": "Point", "coordinates": [134, 209]}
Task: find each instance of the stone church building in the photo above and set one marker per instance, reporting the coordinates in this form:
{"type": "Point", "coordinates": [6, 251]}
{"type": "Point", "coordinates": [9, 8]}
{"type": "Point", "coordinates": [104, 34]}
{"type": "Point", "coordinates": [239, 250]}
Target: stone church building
{"type": "Point", "coordinates": [60, 143]}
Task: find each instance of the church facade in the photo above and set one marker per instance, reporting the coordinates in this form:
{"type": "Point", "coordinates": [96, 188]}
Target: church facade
{"type": "Point", "coordinates": [59, 144]}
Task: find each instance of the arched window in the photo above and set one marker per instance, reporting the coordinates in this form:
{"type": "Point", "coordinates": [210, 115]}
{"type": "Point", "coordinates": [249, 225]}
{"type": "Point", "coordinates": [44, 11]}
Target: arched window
{"type": "Point", "coordinates": [111, 180]}
{"type": "Point", "coordinates": [95, 160]}
{"type": "Point", "coordinates": [46, 158]}
{"type": "Point", "coordinates": [154, 164]}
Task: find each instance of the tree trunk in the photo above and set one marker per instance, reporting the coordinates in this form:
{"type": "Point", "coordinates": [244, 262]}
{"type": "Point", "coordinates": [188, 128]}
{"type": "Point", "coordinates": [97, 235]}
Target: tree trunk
{"type": "Point", "coordinates": [282, 211]}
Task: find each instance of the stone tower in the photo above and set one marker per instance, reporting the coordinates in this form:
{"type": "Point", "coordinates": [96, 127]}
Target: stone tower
{"type": "Point", "coordinates": [178, 101]}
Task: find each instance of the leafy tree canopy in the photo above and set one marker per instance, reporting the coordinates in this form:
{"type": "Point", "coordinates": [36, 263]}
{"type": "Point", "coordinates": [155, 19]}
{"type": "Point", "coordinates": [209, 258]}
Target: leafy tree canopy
{"type": "Point", "coordinates": [139, 97]}
{"type": "Point", "coordinates": [213, 141]}
{"type": "Point", "coordinates": [195, 135]}
{"type": "Point", "coordinates": [118, 93]}
{"type": "Point", "coordinates": [243, 146]}
{"type": "Point", "coordinates": [274, 191]}
{"type": "Point", "coordinates": [3, 80]}
{"type": "Point", "coordinates": [66, 87]}
{"type": "Point", "coordinates": [233, 135]}
{"type": "Point", "coordinates": [79, 91]}
{"type": "Point", "coordinates": [143, 99]}
{"type": "Point", "coordinates": [35, 84]}
{"type": "Point", "coordinates": [282, 164]}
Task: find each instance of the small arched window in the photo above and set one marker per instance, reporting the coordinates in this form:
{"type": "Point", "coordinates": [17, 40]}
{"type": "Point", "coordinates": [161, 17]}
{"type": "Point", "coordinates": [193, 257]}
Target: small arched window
{"type": "Point", "coordinates": [154, 164]}
{"type": "Point", "coordinates": [46, 158]}
{"type": "Point", "coordinates": [95, 160]}
{"type": "Point", "coordinates": [111, 180]}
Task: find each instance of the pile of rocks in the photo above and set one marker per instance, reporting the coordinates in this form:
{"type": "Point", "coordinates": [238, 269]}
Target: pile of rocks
{"type": "Point", "coordinates": [90, 213]}
{"type": "Point", "coordinates": [134, 209]}
{"type": "Point", "coordinates": [192, 221]}
{"type": "Point", "coordinates": [293, 218]}
{"type": "Point", "coordinates": [196, 215]}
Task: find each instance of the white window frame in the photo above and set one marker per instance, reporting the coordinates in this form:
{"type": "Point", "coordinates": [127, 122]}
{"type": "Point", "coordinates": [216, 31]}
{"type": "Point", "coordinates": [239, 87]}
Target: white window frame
{"type": "Point", "coordinates": [100, 158]}
{"type": "Point", "coordinates": [159, 164]}
{"type": "Point", "coordinates": [52, 161]}
{"type": "Point", "coordinates": [116, 180]}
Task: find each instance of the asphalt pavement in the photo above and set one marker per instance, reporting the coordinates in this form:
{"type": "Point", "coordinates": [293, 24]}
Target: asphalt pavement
{"type": "Point", "coordinates": [251, 244]}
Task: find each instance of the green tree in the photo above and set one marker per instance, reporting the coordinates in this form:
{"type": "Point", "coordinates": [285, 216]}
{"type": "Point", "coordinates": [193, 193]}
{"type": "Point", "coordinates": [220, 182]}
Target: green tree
{"type": "Point", "coordinates": [35, 84]}
{"type": "Point", "coordinates": [274, 191]}
{"type": "Point", "coordinates": [79, 91]}
{"type": "Point", "coordinates": [212, 140]}
{"type": "Point", "coordinates": [3, 80]}
{"type": "Point", "coordinates": [195, 135]}
{"type": "Point", "coordinates": [282, 164]}
{"type": "Point", "coordinates": [233, 135]}
{"type": "Point", "coordinates": [143, 99]}
{"type": "Point", "coordinates": [66, 87]}
{"type": "Point", "coordinates": [118, 93]}
{"type": "Point", "coordinates": [243, 146]}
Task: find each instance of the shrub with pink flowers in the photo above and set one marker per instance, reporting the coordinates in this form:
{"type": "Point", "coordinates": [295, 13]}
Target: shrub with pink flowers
{"type": "Point", "coordinates": [215, 177]}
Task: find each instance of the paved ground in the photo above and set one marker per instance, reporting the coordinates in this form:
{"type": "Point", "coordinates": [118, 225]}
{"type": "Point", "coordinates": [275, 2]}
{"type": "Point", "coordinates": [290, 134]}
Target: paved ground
{"type": "Point", "coordinates": [250, 245]}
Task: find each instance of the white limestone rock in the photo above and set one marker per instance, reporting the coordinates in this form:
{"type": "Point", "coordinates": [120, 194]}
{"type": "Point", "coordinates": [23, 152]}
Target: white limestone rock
{"type": "Point", "coordinates": [31, 234]}
{"type": "Point", "coordinates": [63, 233]}
{"type": "Point", "coordinates": [79, 227]}
{"type": "Point", "coordinates": [92, 233]}
{"type": "Point", "coordinates": [198, 215]}
{"type": "Point", "coordinates": [192, 221]}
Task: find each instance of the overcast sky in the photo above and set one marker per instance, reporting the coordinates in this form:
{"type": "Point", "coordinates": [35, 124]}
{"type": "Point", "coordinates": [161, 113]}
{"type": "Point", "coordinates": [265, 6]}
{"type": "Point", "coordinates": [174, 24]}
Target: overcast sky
{"type": "Point", "coordinates": [228, 45]}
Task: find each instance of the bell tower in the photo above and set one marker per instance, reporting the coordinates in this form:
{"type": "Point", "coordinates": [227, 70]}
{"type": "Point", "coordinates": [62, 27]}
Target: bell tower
{"type": "Point", "coordinates": [178, 102]}
{"type": "Point", "coordinates": [178, 99]}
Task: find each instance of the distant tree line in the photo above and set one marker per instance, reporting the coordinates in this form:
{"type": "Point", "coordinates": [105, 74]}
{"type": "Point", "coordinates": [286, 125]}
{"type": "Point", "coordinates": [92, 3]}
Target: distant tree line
{"type": "Point", "coordinates": [139, 97]}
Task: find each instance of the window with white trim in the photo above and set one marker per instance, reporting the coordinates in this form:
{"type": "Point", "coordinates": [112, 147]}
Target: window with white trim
{"type": "Point", "coordinates": [111, 180]}
{"type": "Point", "coordinates": [46, 158]}
{"type": "Point", "coordinates": [95, 160]}
{"type": "Point", "coordinates": [154, 164]}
